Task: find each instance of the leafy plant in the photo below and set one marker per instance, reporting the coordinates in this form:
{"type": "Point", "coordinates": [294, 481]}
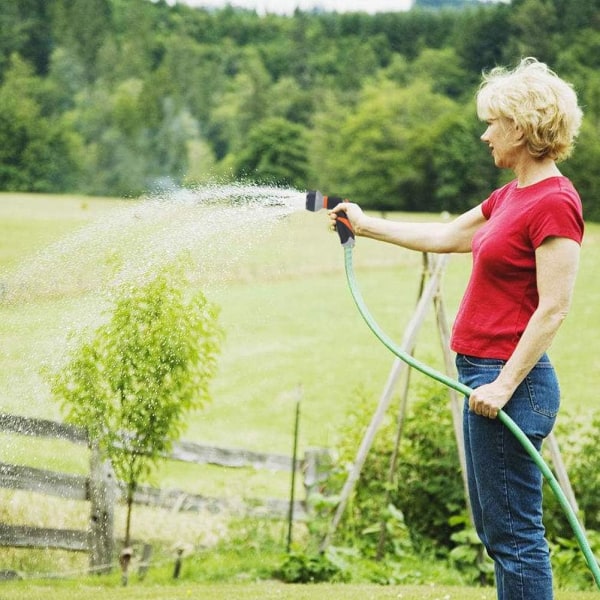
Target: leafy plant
{"type": "Point", "coordinates": [426, 490]}
{"type": "Point", "coordinates": [581, 441]}
{"type": "Point", "coordinates": [311, 568]}
{"type": "Point", "coordinates": [568, 563]}
{"type": "Point", "coordinates": [430, 488]}
{"type": "Point", "coordinates": [469, 556]}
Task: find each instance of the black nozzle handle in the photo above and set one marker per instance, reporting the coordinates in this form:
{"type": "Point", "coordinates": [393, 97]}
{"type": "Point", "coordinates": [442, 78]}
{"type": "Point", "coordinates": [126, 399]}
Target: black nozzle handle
{"type": "Point", "coordinates": [344, 229]}
{"type": "Point", "coordinates": [316, 201]}
{"type": "Point", "coordinates": [342, 223]}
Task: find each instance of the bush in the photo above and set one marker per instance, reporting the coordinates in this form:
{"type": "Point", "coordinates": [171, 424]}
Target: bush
{"type": "Point", "coordinates": [568, 563]}
{"type": "Point", "coordinates": [416, 507]}
{"type": "Point", "coordinates": [315, 568]}
{"type": "Point", "coordinates": [470, 558]}
{"type": "Point", "coordinates": [580, 452]}
{"type": "Point", "coordinates": [579, 438]}
{"type": "Point", "coordinates": [430, 489]}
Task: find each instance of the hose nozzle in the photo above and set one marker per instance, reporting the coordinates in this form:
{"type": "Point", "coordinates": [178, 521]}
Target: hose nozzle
{"type": "Point", "coordinates": [315, 201]}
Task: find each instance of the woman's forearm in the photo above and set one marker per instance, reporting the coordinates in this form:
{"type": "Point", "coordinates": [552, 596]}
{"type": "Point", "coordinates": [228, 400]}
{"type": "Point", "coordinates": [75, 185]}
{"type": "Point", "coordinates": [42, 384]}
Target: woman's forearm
{"type": "Point", "coordinates": [423, 237]}
{"type": "Point", "coordinates": [453, 236]}
{"type": "Point", "coordinates": [536, 340]}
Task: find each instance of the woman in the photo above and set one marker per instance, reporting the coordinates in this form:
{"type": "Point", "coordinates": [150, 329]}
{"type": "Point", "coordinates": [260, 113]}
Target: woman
{"type": "Point", "coordinates": [525, 241]}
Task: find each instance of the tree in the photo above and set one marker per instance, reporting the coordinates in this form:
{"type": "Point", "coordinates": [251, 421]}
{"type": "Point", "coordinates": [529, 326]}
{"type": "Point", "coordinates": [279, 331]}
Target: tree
{"type": "Point", "coordinates": [25, 29]}
{"type": "Point", "coordinates": [481, 37]}
{"type": "Point", "coordinates": [438, 4]}
{"type": "Point", "coordinates": [124, 93]}
{"type": "Point", "coordinates": [376, 151]}
{"type": "Point", "coordinates": [82, 26]}
{"type": "Point", "coordinates": [117, 143]}
{"type": "Point", "coordinates": [535, 23]}
{"type": "Point", "coordinates": [37, 153]}
{"type": "Point", "coordinates": [244, 104]}
{"type": "Point", "coordinates": [132, 384]}
{"type": "Point", "coordinates": [409, 32]}
{"type": "Point", "coordinates": [275, 152]}
{"type": "Point", "coordinates": [575, 15]}
{"type": "Point", "coordinates": [192, 74]}
{"type": "Point", "coordinates": [442, 68]}
{"type": "Point", "coordinates": [463, 171]}
{"type": "Point", "coordinates": [129, 148]}
{"type": "Point", "coordinates": [582, 168]}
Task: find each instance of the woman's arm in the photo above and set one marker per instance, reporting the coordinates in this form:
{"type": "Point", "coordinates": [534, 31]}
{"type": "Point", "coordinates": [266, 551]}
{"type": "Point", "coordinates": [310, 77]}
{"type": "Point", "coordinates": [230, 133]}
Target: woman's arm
{"type": "Point", "coordinates": [557, 262]}
{"type": "Point", "coordinates": [455, 236]}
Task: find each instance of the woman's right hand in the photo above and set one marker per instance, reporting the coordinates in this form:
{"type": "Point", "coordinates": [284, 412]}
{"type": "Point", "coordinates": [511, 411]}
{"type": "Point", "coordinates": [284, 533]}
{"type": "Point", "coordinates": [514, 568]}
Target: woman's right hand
{"type": "Point", "coordinates": [353, 211]}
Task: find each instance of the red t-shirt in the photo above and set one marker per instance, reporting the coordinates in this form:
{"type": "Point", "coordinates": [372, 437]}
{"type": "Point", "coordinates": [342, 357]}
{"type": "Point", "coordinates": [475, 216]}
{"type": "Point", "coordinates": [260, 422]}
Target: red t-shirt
{"type": "Point", "coordinates": [502, 292]}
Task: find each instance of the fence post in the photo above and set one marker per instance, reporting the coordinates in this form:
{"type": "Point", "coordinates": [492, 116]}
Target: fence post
{"type": "Point", "coordinates": [317, 466]}
{"type": "Point", "coordinates": [102, 495]}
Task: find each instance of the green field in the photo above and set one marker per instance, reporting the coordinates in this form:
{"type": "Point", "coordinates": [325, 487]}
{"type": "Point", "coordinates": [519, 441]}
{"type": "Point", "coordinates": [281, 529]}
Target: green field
{"type": "Point", "coordinates": [292, 332]}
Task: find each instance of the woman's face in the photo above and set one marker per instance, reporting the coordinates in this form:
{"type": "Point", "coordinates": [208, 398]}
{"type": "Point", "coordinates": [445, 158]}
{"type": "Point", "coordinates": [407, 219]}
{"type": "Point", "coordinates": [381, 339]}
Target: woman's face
{"type": "Point", "coordinates": [505, 140]}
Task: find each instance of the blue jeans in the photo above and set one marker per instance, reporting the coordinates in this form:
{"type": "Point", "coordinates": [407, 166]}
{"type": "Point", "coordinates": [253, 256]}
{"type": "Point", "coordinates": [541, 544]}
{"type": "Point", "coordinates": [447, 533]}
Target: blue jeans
{"type": "Point", "coordinates": [505, 485]}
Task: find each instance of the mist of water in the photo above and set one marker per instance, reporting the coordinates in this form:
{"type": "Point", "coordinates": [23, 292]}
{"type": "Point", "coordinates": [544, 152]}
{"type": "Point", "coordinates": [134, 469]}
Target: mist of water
{"type": "Point", "coordinates": [66, 286]}
{"type": "Point", "coordinates": [215, 225]}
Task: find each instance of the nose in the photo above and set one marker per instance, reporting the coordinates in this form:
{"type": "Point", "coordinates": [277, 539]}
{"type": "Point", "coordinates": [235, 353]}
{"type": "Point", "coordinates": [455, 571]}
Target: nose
{"type": "Point", "coordinates": [485, 135]}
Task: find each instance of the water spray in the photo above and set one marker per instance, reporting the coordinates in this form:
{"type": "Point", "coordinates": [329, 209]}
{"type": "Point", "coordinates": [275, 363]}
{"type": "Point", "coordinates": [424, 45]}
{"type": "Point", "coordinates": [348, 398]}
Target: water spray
{"type": "Point", "coordinates": [316, 201]}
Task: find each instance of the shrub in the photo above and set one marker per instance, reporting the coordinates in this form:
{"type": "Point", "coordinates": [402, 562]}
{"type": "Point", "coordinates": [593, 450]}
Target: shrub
{"type": "Point", "coordinates": [307, 568]}
{"type": "Point", "coordinates": [426, 491]}
{"type": "Point", "coordinates": [429, 488]}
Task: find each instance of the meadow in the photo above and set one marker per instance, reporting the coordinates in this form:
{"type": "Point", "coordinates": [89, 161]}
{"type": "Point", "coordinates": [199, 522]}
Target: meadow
{"type": "Point", "coordinates": [292, 333]}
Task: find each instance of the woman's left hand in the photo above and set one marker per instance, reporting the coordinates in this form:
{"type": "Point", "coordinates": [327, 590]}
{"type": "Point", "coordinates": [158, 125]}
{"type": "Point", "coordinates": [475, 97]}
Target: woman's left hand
{"type": "Point", "coordinates": [487, 400]}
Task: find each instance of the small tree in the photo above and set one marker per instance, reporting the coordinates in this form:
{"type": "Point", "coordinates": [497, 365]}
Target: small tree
{"type": "Point", "coordinates": [132, 383]}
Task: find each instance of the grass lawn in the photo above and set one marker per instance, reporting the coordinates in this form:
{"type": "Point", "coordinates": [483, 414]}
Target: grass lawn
{"type": "Point", "coordinates": [253, 591]}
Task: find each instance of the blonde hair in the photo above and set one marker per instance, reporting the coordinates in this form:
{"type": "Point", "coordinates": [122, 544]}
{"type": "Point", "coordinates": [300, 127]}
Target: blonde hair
{"type": "Point", "coordinates": [538, 101]}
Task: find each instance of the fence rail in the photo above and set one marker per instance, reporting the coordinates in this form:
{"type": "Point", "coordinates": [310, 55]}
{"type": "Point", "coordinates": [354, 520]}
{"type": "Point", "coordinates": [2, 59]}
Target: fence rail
{"type": "Point", "coordinates": [102, 491]}
{"type": "Point", "coordinates": [184, 451]}
{"type": "Point", "coordinates": [23, 536]}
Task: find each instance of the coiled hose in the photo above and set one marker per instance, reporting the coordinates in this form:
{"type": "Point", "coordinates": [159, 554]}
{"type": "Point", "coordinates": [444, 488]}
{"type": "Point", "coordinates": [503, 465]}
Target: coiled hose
{"type": "Point", "coordinates": [466, 391]}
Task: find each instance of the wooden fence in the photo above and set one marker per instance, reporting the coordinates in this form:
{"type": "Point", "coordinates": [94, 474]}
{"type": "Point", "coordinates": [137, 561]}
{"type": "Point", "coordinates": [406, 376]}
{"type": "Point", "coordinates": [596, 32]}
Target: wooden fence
{"type": "Point", "coordinates": [102, 491]}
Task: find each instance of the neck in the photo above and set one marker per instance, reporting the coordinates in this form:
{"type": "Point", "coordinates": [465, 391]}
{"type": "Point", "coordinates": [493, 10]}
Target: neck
{"type": "Point", "coordinates": [534, 170]}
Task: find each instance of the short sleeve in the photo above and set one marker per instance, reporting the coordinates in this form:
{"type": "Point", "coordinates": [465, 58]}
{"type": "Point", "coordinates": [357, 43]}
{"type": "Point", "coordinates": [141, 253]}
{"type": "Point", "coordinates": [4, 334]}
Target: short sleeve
{"type": "Point", "coordinates": [488, 205]}
{"type": "Point", "coordinates": [556, 215]}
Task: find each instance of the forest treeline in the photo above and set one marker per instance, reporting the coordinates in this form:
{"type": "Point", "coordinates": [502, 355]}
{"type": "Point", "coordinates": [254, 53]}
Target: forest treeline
{"type": "Point", "coordinates": [123, 97]}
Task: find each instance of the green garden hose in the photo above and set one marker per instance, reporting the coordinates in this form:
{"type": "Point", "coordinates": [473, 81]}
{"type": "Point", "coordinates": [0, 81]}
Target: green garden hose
{"type": "Point", "coordinates": [466, 391]}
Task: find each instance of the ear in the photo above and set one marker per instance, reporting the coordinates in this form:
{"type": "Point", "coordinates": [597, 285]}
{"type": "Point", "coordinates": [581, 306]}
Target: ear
{"type": "Point", "coordinates": [519, 131]}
